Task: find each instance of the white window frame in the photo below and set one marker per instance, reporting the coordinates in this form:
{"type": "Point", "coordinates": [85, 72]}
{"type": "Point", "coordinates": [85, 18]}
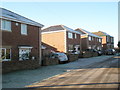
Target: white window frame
{"type": "Point", "coordinates": [89, 47]}
{"type": "Point", "coordinates": [70, 35]}
{"type": "Point", "coordinates": [112, 40]}
{"type": "Point", "coordinates": [5, 54]}
{"type": "Point", "coordinates": [75, 35]}
{"type": "Point", "coordinates": [23, 29]}
{"type": "Point", "coordinates": [24, 48]}
{"type": "Point", "coordinates": [6, 25]}
{"type": "Point", "coordinates": [70, 47]}
{"type": "Point", "coordinates": [100, 40]}
{"type": "Point", "coordinates": [89, 38]}
{"type": "Point", "coordinates": [108, 39]}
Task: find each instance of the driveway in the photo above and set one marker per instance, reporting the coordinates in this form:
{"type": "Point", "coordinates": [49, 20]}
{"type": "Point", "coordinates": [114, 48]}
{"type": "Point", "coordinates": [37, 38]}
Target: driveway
{"type": "Point", "coordinates": [21, 79]}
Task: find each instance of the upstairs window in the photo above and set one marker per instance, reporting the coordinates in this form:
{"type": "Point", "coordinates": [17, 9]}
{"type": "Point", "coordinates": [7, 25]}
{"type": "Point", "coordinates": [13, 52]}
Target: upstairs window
{"type": "Point", "coordinates": [112, 40]}
{"type": "Point", "coordinates": [108, 39]}
{"type": "Point", "coordinates": [75, 35]}
{"type": "Point", "coordinates": [70, 35]}
{"type": "Point", "coordinates": [24, 29]}
{"type": "Point", "coordinates": [6, 25]}
{"type": "Point", "coordinates": [90, 38]}
{"type": "Point", "coordinates": [100, 40]}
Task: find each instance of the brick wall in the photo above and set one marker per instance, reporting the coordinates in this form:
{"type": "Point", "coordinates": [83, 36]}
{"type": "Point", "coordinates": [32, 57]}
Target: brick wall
{"type": "Point", "coordinates": [50, 61]}
{"type": "Point", "coordinates": [73, 41]}
{"type": "Point", "coordinates": [14, 39]}
{"type": "Point", "coordinates": [84, 43]}
{"type": "Point", "coordinates": [72, 57]}
{"type": "Point", "coordinates": [19, 65]}
{"type": "Point", "coordinates": [55, 40]}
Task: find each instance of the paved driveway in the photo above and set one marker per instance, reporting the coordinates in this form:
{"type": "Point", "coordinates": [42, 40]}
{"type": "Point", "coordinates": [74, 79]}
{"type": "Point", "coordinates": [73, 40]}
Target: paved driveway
{"type": "Point", "coordinates": [21, 79]}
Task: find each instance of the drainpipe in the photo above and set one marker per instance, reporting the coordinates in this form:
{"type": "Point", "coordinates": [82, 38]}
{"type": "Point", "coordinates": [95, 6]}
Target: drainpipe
{"type": "Point", "coordinates": [40, 59]}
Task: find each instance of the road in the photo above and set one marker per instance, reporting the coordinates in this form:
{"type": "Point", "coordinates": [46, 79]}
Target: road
{"type": "Point", "coordinates": [95, 72]}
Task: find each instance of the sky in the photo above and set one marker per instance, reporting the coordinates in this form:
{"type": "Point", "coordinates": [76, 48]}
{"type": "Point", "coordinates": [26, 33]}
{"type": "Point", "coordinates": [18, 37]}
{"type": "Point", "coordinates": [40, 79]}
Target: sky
{"type": "Point", "coordinates": [91, 16]}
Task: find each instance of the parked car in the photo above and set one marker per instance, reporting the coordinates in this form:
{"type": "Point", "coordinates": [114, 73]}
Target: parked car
{"type": "Point", "coordinates": [99, 52]}
{"type": "Point", "coordinates": [90, 50]}
{"type": "Point", "coordinates": [110, 52]}
{"type": "Point", "coordinates": [75, 52]}
{"type": "Point", "coordinates": [61, 56]}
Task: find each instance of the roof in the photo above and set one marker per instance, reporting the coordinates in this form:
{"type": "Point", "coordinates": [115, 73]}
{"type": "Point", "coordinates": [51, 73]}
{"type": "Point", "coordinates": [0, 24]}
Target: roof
{"type": "Point", "coordinates": [59, 28]}
{"type": "Point", "coordinates": [101, 33]}
{"type": "Point", "coordinates": [9, 15]}
{"type": "Point", "coordinates": [46, 46]}
{"type": "Point", "coordinates": [86, 32]}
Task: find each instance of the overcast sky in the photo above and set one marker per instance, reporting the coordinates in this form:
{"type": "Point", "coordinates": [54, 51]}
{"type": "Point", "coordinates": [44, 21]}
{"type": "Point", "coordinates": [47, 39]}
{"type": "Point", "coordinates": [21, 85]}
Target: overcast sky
{"type": "Point", "coordinates": [91, 16]}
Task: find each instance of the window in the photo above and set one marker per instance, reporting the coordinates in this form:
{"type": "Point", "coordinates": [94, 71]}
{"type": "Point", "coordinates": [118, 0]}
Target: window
{"type": "Point", "coordinates": [75, 35]}
{"type": "Point", "coordinates": [100, 40]}
{"type": "Point", "coordinates": [70, 47]}
{"type": "Point", "coordinates": [89, 47]}
{"type": "Point", "coordinates": [5, 54]}
{"type": "Point", "coordinates": [6, 25]}
{"type": "Point", "coordinates": [70, 35]}
{"type": "Point", "coordinates": [24, 29]}
{"type": "Point", "coordinates": [24, 53]}
{"type": "Point", "coordinates": [112, 40]}
{"type": "Point", "coordinates": [107, 39]}
{"type": "Point", "coordinates": [90, 38]}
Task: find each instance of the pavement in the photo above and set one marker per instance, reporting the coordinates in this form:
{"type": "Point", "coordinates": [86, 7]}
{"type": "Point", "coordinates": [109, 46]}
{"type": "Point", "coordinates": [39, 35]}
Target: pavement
{"type": "Point", "coordinates": [50, 74]}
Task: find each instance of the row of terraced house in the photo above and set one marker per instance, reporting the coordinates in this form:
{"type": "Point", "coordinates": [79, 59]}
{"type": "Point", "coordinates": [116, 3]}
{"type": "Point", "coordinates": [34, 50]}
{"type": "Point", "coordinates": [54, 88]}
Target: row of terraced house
{"type": "Point", "coordinates": [20, 35]}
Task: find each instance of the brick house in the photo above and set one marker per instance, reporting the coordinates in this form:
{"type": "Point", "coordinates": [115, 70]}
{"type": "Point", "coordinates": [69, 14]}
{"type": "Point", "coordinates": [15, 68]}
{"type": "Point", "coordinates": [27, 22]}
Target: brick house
{"type": "Point", "coordinates": [63, 38]}
{"type": "Point", "coordinates": [21, 37]}
{"type": "Point", "coordinates": [89, 40]}
{"type": "Point", "coordinates": [107, 40]}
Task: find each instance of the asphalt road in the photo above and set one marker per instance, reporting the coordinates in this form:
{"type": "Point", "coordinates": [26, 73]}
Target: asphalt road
{"type": "Point", "coordinates": [95, 72]}
{"type": "Point", "coordinates": [103, 74]}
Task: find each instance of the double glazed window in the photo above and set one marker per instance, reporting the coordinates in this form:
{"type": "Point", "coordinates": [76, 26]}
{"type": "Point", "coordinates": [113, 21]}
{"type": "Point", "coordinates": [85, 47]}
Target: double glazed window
{"type": "Point", "coordinates": [108, 38]}
{"type": "Point", "coordinates": [24, 29]}
{"type": "Point", "coordinates": [5, 54]}
{"type": "Point", "coordinates": [75, 35]}
{"type": "Point", "coordinates": [70, 35]}
{"type": "Point", "coordinates": [112, 40]}
{"type": "Point", "coordinates": [90, 38]}
{"type": "Point", "coordinates": [100, 40]}
{"type": "Point", "coordinates": [70, 48]}
{"type": "Point", "coordinates": [6, 25]}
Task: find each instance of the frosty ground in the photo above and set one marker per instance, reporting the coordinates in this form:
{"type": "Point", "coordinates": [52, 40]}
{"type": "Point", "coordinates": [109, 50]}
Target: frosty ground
{"type": "Point", "coordinates": [20, 79]}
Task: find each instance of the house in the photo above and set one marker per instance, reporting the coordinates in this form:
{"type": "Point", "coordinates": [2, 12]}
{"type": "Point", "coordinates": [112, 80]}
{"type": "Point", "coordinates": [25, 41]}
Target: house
{"type": "Point", "coordinates": [107, 40]}
{"type": "Point", "coordinates": [63, 38]}
{"type": "Point", "coordinates": [89, 40]}
{"type": "Point", "coordinates": [21, 37]}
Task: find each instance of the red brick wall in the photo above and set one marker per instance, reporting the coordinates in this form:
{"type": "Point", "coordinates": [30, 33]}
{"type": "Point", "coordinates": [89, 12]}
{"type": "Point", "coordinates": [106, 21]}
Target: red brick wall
{"type": "Point", "coordinates": [85, 42]}
{"type": "Point", "coordinates": [96, 42]}
{"type": "Point", "coordinates": [15, 39]}
{"type": "Point", "coordinates": [19, 65]}
{"type": "Point", "coordinates": [73, 41]}
{"type": "Point", "coordinates": [107, 44]}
